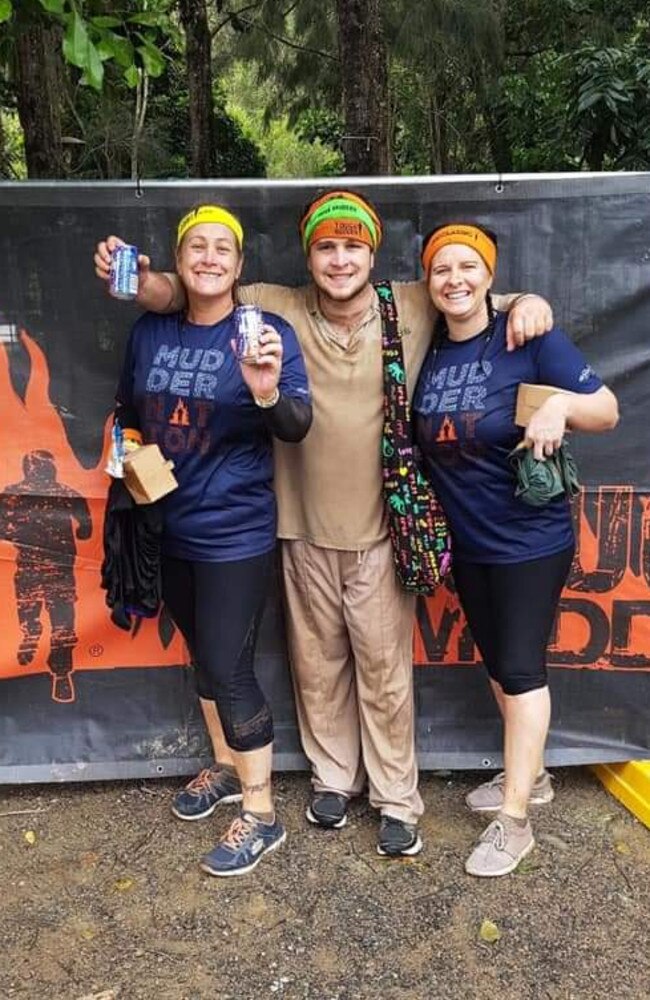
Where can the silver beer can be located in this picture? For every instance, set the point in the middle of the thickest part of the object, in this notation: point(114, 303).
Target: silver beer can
point(124, 272)
point(248, 325)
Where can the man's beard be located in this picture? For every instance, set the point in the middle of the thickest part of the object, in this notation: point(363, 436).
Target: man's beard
point(348, 296)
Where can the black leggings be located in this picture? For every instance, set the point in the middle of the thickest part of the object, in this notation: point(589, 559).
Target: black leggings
point(510, 610)
point(218, 608)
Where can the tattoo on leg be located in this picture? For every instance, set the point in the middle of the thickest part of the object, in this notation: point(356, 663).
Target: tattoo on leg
point(256, 788)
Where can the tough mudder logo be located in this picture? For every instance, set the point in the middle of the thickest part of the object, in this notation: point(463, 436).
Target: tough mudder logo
point(351, 230)
point(191, 375)
point(55, 620)
point(185, 371)
point(603, 620)
point(459, 392)
point(454, 389)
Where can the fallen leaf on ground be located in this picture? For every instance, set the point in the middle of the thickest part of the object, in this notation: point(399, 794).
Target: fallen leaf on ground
point(622, 847)
point(123, 884)
point(30, 837)
point(553, 841)
point(105, 995)
point(489, 932)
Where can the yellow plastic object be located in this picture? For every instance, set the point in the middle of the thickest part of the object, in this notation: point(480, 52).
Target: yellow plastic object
point(630, 784)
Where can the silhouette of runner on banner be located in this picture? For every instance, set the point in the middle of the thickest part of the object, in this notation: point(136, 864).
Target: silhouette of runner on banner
point(37, 516)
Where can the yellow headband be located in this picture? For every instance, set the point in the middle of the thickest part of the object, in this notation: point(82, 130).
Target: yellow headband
point(469, 236)
point(210, 213)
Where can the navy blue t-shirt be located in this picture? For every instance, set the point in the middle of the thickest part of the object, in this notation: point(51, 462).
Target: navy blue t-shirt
point(185, 385)
point(464, 418)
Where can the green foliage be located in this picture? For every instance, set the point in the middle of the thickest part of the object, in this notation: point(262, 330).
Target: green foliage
point(609, 104)
point(91, 38)
point(524, 85)
point(287, 152)
point(576, 86)
point(108, 126)
point(12, 155)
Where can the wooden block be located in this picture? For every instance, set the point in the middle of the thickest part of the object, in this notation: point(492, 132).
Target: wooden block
point(147, 476)
point(530, 397)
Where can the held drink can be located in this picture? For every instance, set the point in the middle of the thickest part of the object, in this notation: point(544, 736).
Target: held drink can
point(124, 272)
point(248, 322)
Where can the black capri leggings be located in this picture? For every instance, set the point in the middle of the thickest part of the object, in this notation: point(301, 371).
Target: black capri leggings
point(510, 610)
point(218, 608)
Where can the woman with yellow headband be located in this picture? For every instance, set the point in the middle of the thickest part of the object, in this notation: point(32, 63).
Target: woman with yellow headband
point(215, 417)
point(510, 559)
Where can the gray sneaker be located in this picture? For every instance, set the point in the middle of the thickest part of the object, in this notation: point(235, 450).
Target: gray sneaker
point(488, 797)
point(500, 848)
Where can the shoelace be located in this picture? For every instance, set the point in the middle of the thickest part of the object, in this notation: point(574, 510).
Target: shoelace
point(495, 834)
point(202, 783)
point(239, 830)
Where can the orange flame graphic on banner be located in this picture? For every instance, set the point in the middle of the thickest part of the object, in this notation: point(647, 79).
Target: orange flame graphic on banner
point(603, 620)
point(51, 521)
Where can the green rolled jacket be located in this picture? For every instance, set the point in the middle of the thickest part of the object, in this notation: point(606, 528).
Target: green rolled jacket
point(538, 481)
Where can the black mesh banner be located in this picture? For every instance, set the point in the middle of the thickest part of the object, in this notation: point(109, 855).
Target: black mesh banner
point(81, 699)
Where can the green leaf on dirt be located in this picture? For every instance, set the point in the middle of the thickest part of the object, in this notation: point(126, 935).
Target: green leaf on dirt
point(124, 884)
point(527, 866)
point(489, 932)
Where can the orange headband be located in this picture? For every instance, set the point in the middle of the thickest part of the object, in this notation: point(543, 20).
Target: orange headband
point(342, 226)
point(469, 236)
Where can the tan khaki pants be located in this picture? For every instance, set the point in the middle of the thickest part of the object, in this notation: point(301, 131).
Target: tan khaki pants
point(350, 629)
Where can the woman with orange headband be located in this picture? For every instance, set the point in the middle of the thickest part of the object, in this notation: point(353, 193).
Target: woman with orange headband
point(510, 559)
point(183, 388)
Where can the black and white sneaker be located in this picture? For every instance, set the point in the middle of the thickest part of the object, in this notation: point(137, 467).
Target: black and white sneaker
point(398, 839)
point(329, 810)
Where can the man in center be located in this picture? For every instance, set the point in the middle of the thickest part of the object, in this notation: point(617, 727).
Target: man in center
point(349, 623)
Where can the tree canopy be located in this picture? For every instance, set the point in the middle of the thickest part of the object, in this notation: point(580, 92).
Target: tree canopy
point(174, 88)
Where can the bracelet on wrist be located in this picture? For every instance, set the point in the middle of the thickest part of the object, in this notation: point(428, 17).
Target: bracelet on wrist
point(266, 402)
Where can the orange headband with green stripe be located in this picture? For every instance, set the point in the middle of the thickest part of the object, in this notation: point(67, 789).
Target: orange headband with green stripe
point(341, 215)
point(470, 236)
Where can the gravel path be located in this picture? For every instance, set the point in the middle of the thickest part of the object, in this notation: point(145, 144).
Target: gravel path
point(108, 903)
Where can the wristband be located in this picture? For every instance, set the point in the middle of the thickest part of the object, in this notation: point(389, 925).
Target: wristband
point(265, 403)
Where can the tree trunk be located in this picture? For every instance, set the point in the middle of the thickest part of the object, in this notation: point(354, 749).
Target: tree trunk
point(366, 101)
point(496, 119)
point(198, 59)
point(39, 83)
point(4, 156)
point(141, 101)
point(596, 146)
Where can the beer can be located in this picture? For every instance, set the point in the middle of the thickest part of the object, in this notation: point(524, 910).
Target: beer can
point(124, 272)
point(248, 325)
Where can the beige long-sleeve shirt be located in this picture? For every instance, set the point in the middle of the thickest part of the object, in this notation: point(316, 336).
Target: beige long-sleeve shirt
point(329, 487)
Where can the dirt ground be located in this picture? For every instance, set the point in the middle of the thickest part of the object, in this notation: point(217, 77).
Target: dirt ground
point(102, 899)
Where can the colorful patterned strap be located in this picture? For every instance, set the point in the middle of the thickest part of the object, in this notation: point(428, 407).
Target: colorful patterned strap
point(417, 525)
